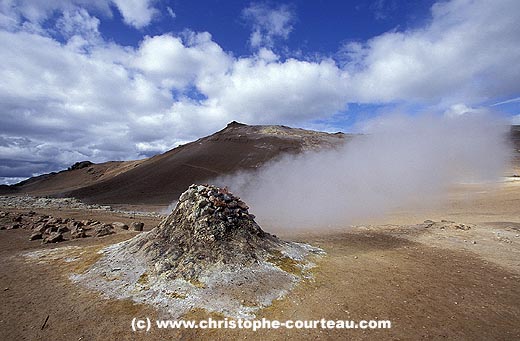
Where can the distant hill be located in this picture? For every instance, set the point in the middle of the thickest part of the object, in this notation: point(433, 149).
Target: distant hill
point(160, 179)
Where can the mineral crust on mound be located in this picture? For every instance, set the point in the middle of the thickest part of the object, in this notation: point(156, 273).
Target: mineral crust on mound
point(208, 253)
point(208, 227)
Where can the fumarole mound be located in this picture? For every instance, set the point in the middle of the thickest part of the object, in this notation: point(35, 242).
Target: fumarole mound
point(208, 227)
point(208, 253)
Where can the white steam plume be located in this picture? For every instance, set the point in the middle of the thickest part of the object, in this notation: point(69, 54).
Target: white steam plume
point(399, 160)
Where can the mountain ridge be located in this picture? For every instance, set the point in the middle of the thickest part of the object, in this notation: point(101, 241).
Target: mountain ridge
point(158, 180)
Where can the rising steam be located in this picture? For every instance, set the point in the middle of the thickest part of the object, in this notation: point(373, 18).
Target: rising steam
point(398, 160)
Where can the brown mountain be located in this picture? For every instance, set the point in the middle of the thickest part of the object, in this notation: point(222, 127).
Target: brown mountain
point(160, 179)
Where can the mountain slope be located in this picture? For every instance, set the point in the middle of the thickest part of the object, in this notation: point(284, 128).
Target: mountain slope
point(160, 179)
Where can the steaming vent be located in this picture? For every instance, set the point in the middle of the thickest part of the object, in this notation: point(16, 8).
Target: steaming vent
point(208, 253)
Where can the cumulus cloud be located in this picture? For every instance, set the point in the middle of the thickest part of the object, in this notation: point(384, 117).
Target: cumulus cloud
point(268, 23)
point(79, 26)
point(87, 98)
point(467, 52)
point(31, 14)
point(176, 63)
point(36, 12)
point(137, 13)
point(297, 90)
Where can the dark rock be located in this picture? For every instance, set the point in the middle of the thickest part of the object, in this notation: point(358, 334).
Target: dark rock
point(62, 229)
point(80, 165)
point(242, 205)
point(89, 222)
point(74, 224)
point(103, 230)
point(137, 226)
point(54, 237)
point(78, 232)
point(120, 225)
point(36, 235)
point(14, 226)
point(463, 227)
point(54, 221)
point(51, 227)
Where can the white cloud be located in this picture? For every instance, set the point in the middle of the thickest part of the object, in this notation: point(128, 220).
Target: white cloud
point(460, 109)
point(91, 99)
point(468, 53)
point(175, 63)
point(80, 25)
point(35, 12)
point(270, 91)
point(137, 13)
point(268, 23)
point(79, 105)
point(171, 13)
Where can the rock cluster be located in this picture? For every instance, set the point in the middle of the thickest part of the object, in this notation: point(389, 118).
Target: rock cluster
point(80, 165)
point(32, 203)
point(51, 229)
point(208, 226)
point(446, 224)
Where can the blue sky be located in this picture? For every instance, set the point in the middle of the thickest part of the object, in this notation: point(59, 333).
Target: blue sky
point(116, 80)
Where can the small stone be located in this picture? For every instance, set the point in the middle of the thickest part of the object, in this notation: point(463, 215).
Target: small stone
point(78, 233)
point(219, 203)
point(54, 237)
point(243, 205)
point(63, 229)
point(137, 226)
point(103, 230)
point(41, 228)
point(120, 225)
point(36, 235)
point(474, 242)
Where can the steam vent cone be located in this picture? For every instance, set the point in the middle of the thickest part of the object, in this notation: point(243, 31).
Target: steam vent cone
point(209, 253)
point(209, 226)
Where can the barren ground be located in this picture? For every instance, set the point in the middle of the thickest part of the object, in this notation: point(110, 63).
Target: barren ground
point(431, 283)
